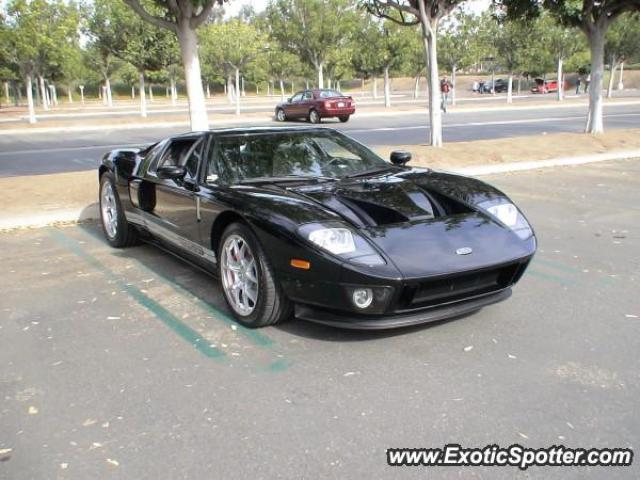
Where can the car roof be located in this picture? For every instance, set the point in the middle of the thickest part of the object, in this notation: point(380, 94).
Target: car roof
point(249, 130)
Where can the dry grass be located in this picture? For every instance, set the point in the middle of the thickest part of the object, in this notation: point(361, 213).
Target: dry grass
point(518, 149)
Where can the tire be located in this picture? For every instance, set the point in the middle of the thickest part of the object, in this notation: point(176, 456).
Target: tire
point(280, 115)
point(314, 116)
point(119, 233)
point(270, 305)
point(344, 118)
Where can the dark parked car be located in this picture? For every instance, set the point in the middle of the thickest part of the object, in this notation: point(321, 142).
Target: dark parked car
point(307, 221)
point(314, 105)
point(499, 85)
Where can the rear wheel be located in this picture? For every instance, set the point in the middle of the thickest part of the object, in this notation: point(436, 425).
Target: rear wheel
point(118, 232)
point(314, 116)
point(280, 115)
point(344, 118)
point(248, 281)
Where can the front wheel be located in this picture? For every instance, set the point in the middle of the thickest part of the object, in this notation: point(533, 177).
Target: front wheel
point(248, 280)
point(344, 118)
point(117, 230)
point(314, 116)
point(280, 115)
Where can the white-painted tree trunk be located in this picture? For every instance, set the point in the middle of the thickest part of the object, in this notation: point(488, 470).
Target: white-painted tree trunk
point(70, 94)
point(595, 123)
point(454, 71)
point(133, 92)
point(107, 84)
point(81, 87)
point(620, 84)
point(282, 90)
point(43, 92)
point(54, 94)
point(143, 97)
point(293, 88)
point(510, 88)
point(519, 83)
point(208, 91)
point(375, 87)
point(150, 92)
point(560, 82)
point(307, 83)
point(5, 84)
point(244, 93)
point(191, 63)
point(32, 111)
point(387, 88)
point(416, 86)
point(237, 91)
point(320, 75)
point(338, 86)
point(612, 74)
point(435, 113)
point(230, 89)
point(174, 96)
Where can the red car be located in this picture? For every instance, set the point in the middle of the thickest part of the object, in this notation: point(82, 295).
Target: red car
point(546, 86)
point(314, 105)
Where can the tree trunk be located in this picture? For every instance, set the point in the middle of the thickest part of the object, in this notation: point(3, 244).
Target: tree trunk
point(173, 92)
point(612, 73)
point(431, 56)
point(82, 94)
point(293, 86)
point(237, 91)
point(107, 84)
point(375, 87)
point(387, 88)
point(338, 86)
point(620, 84)
point(5, 84)
point(43, 93)
point(133, 92)
point(54, 94)
point(596, 44)
point(320, 75)
point(208, 91)
point(244, 94)
point(191, 63)
point(143, 97)
point(282, 90)
point(416, 87)
point(454, 71)
point(510, 88)
point(32, 112)
point(230, 89)
point(70, 94)
point(560, 82)
point(519, 83)
point(150, 92)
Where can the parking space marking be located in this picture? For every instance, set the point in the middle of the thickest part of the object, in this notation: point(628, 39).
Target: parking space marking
point(256, 337)
point(183, 331)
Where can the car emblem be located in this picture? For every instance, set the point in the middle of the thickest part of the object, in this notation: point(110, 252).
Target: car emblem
point(464, 250)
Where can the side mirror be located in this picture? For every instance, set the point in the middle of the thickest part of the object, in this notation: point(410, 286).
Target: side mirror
point(171, 172)
point(400, 157)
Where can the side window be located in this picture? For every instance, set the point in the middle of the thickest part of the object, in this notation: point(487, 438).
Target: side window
point(297, 97)
point(308, 95)
point(193, 160)
point(211, 172)
point(176, 152)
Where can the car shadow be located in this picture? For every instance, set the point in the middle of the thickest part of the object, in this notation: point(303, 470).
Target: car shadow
point(206, 288)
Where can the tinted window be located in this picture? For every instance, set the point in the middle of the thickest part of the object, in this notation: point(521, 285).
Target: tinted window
point(308, 95)
point(176, 152)
point(330, 93)
point(307, 153)
point(297, 97)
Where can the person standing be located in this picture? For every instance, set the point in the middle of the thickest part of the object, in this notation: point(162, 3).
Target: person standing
point(445, 88)
point(578, 81)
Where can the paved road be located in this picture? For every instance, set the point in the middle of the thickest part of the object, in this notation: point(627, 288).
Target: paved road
point(124, 363)
point(60, 152)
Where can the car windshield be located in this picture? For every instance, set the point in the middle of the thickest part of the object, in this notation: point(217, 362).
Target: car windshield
point(330, 93)
point(312, 154)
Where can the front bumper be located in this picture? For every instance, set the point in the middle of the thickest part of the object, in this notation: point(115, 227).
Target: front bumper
point(381, 322)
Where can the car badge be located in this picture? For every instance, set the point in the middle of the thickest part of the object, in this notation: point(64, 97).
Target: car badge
point(464, 250)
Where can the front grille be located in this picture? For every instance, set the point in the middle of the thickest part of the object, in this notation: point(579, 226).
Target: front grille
point(460, 286)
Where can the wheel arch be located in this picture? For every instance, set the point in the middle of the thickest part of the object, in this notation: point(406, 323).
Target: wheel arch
point(222, 221)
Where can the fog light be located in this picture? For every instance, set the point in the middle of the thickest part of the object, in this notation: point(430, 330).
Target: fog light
point(362, 297)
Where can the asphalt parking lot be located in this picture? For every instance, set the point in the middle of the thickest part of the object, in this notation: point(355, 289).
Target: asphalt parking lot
point(126, 364)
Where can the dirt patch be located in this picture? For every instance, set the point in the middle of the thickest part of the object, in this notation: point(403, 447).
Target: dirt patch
point(517, 149)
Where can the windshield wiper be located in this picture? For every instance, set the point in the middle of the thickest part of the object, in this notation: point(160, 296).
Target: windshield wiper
point(286, 178)
point(370, 172)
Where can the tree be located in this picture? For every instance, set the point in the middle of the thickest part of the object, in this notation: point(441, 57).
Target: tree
point(233, 44)
point(366, 60)
point(427, 14)
point(622, 43)
point(593, 17)
point(311, 29)
point(183, 17)
point(459, 45)
point(392, 48)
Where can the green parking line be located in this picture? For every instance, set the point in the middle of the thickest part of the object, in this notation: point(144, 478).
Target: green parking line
point(556, 265)
point(186, 333)
point(255, 336)
point(549, 276)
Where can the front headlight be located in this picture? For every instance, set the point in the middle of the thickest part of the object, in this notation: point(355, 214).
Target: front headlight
point(507, 213)
point(341, 241)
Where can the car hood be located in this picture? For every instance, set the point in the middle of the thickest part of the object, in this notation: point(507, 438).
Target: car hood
point(400, 213)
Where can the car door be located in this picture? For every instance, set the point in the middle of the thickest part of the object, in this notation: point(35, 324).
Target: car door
point(295, 107)
point(174, 214)
point(307, 103)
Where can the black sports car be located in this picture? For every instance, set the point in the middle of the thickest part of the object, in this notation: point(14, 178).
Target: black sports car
point(307, 221)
